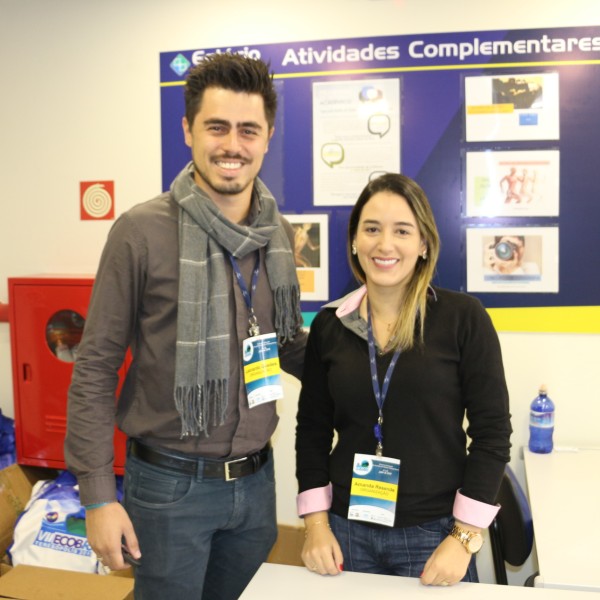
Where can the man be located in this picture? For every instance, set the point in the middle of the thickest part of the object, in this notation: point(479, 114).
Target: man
point(185, 280)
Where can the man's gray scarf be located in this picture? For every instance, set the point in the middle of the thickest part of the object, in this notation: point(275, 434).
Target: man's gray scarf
point(202, 352)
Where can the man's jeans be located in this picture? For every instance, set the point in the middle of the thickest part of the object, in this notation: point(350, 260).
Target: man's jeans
point(391, 551)
point(200, 538)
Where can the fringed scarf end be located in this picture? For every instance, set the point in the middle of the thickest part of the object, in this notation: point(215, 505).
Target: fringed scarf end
point(288, 315)
point(201, 407)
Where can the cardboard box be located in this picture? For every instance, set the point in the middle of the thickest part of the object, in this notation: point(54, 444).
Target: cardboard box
point(25, 582)
point(288, 547)
point(38, 583)
point(16, 483)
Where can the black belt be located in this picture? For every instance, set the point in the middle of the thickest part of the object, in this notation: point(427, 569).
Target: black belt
point(216, 469)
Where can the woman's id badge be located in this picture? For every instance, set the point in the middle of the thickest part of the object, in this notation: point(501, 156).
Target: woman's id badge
point(262, 372)
point(374, 489)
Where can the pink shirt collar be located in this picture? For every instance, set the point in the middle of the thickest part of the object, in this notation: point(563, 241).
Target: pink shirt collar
point(352, 302)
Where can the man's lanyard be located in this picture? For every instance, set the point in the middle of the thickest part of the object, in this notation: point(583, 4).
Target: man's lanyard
point(380, 393)
point(253, 328)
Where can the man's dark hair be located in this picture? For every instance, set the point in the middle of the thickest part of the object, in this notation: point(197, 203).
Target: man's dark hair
point(230, 72)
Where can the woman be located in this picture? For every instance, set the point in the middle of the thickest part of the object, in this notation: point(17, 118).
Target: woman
point(393, 368)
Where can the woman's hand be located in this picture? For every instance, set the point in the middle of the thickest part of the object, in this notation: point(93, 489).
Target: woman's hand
point(447, 565)
point(321, 552)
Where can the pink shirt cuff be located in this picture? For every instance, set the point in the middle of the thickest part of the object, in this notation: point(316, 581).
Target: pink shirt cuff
point(314, 500)
point(474, 512)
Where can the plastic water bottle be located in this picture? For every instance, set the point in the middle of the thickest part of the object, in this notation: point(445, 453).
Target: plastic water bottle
point(541, 423)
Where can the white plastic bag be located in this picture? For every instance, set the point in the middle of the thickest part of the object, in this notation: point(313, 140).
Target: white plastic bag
point(50, 532)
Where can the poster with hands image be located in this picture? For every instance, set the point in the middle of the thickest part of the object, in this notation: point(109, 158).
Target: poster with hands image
point(512, 107)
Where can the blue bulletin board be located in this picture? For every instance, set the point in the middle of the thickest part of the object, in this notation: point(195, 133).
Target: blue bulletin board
point(443, 123)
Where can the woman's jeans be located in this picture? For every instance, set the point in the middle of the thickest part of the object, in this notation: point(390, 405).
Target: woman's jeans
point(200, 538)
point(392, 550)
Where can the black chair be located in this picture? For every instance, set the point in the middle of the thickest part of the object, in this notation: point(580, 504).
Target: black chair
point(511, 532)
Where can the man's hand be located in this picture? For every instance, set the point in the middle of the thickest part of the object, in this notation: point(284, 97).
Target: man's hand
point(106, 527)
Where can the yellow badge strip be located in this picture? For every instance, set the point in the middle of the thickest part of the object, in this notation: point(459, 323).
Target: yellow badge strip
point(374, 489)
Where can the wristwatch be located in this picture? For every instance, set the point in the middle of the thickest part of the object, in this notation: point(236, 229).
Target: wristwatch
point(469, 539)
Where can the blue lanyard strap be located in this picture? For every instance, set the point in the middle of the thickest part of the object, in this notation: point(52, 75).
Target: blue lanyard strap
point(380, 393)
point(253, 328)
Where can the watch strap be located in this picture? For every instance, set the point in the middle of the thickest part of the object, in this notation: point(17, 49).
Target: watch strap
point(465, 537)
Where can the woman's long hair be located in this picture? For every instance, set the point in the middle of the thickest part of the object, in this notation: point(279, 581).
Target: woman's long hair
point(414, 305)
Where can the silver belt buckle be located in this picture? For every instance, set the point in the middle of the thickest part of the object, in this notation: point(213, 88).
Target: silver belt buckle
point(228, 476)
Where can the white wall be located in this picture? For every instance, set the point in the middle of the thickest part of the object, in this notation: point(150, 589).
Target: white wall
point(80, 101)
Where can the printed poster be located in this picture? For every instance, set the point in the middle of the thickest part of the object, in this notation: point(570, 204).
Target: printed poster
point(356, 136)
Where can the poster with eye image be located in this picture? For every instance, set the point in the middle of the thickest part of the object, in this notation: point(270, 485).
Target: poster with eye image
point(522, 183)
point(512, 107)
point(512, 259)
point(311, 254)
point(356, 136)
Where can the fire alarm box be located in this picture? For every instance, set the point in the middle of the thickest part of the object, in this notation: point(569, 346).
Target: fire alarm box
point(46, 315)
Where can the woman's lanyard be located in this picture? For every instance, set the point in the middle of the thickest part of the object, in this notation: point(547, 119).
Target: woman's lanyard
point(380, 393)
point(253, 328)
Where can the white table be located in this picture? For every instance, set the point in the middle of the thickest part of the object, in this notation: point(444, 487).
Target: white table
point(297, 583)
point(564, 493)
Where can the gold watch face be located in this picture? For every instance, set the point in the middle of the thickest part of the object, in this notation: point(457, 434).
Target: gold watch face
point(469, 539)
point(475, 543)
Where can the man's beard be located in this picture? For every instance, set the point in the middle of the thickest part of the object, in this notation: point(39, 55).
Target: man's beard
point(226, 189)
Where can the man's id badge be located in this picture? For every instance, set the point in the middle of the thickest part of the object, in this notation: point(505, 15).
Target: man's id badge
point(262, 373)
point(374, 489)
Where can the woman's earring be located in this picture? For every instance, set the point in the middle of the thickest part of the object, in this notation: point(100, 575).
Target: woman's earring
point(424, 255)
point(354, 249)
